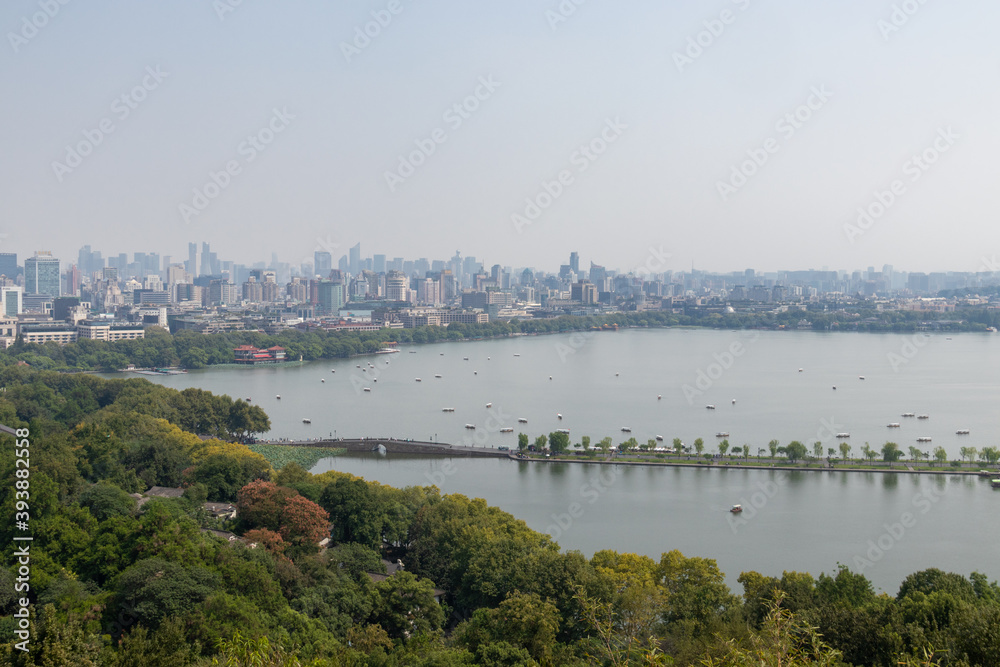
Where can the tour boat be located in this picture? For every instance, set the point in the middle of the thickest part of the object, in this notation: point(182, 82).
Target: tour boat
point(962, 431)
point(278, 397)
point(489, 405)
point(562, 430)
point(907, 414)
point(835, 387)
point(923, 439)
point(465, 358)
point(418, 380)
point(470, 426)
point(447, 409)
point(522, 420)
point(892, 425)
point(861, 377)
point(722, 434)
point(923, 416)
point(516, 355)
point(333, 370)
point(550, 377)
point(709, 407)
point(995, 483)
point(507, 430)
point(843, 435)
point(559, 415)
point(800, 370)
point(626, 429)
point(368, 388)
point(736, 509)
point(248, 399)
point(659, 397)
point(307, 421)
point(660, 438)
point(734, 401)
point(437, 376)
point(322, 380)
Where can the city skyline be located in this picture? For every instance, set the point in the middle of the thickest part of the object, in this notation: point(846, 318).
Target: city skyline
point(742, 134)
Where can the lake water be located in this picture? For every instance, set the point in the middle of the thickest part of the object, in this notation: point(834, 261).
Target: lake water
point(605, 381)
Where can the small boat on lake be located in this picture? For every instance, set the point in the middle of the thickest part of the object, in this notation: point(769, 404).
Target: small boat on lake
point(722, 434)
point(962, 431)
point(892, 425)
point(709, 407)
point(471, 427)
point(843, 435)
point(908, 414)
point(368, 388)
point(626, 429)
point(489, 405)
point(923, 416)
point(447, 409)
point(307, 421)
point(995, 483)
point(923, 439)
point(660, 438)
point(507, 429)
point(736, 509)
point(522, 420)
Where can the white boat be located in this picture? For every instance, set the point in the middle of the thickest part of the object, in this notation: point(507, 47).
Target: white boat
point(418, 380)
point(307, 421)
point(489, 405)
point(562, 430)
point(843, 435)
point(907, 414)
point(437, 376)
point(470, 426)
point(507, 429)
point(923, 416)
point(660, 438)
point(322, 380)
point(558, 415)
point(709, 407)
point(447, 409)
point(626, 429)
point(892, 425)
point(550, 377)
point(734, 401)
point(278, 397)
point(962, 431)
point(522, 420)
point(368, 388)
point(333, 370)
point(861, 377)
point(800, 370)
point(358, 366)
point(736, 509)
point(722, 434)
point(923, 439)
point(659, 397)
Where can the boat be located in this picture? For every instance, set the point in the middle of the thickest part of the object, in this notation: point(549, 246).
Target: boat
point(437, 376)
point(660, 438)
point(861, 377)
point(734, 401)
point(550, 377)
point(368, 388)
point(307, 421)
point(470, 426)
point(986, 473)
point(388, 350)
point(562, 430)
point(465, 358)
point(659, 397)
point(722, 434)
point(995, 483)
point(709, 407)
point(736, 509)
point(507, 429)
point(374, 379)
point(413, 351)
point(892, 425)
point(278, 397)
point(626, 429)
point(843, 435)
point(558, 415)
point(489, 405)
point(616, 374)
point(923, 439)
point(835, 387)
point(418, 380)
point(358, 366)
point(379, 449)
point(516, 355)
point(522, 420)
point(447, 409)
point(923, 416)
point(248, 399)
point(908, 414)
point(333, 370)
point(322, 380)
point(962, 431)
point(800, 370)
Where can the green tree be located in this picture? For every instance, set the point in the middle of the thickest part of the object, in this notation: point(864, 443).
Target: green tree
point(405, 606)
point(990, 454)
point(155, 589)
point(699, 446)
point(845, 450)
point(795, 450)
point(746, 452)
point(522, 442)
point(540, 442)
point(940, 455)
point(723, 447)
point(891, 453)
point(105, 501)
point(585, 443)
point(773, 446)
point(558, 442)
point(818, 449)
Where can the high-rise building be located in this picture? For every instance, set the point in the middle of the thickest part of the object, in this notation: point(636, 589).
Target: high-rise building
point(41, 274)
point(191, 265)
point(396, 286)
point(322, 263)
point(354, 265)
point(72, 281)
point(11, 300)
point(8, 264)
point(574, 262)
point(330, 297)
point(378, 264)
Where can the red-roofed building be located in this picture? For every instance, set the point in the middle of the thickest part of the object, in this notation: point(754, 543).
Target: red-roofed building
point(248, 354)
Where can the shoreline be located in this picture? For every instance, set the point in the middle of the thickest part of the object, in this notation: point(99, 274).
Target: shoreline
point(713, 466)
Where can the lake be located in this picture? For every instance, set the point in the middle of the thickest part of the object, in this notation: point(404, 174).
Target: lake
point(659, 382)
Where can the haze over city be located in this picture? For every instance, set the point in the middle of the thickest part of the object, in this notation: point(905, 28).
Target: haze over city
point(731, 134)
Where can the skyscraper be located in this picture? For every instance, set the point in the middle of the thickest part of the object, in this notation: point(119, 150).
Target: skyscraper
point(41, 274)
point(355, 262)
point(8, 264)
point(191, 265)
point(322, 263)
point(574, 262)
point(378, 265)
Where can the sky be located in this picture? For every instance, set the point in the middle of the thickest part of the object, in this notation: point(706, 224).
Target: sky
point(721, 134)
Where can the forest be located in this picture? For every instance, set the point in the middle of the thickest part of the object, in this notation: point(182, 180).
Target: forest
point(299, 576)
point(192, 350)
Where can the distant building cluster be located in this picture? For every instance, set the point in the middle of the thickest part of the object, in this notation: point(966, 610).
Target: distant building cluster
point(112, 298)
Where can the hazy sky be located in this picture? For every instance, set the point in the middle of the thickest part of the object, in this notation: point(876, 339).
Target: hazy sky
point(668, 98)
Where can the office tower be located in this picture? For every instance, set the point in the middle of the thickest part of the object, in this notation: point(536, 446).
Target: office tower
point(11, 300)
point(209, 261)
point(8, 264)
point(72, 280)
point(191, 265)
point(322, 263)
point(421, 267)
point(41, 274)
point(574, 262)
point(355, 261)
point(378, 264)
point(330, 297)
point(395, 265)
point(396, 286)
point(343, 265)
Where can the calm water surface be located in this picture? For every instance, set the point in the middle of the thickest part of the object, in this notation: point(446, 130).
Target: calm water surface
point(605, 381)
